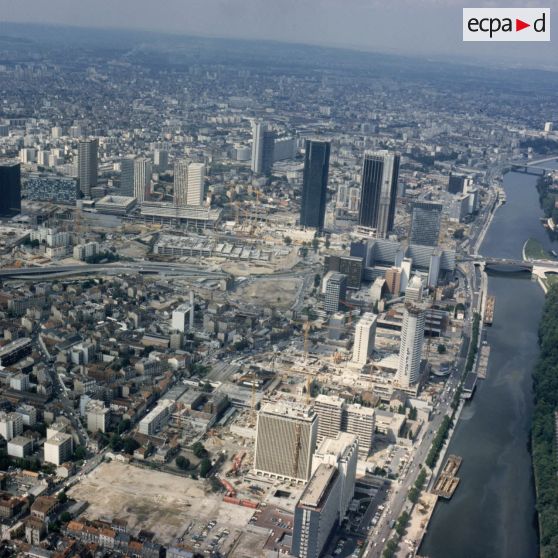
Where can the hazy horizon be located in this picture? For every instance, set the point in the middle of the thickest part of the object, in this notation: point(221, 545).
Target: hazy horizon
point(429, 29)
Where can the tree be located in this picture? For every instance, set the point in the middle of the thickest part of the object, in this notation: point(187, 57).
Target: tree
point(205, 467)
point(317, 280)
point(182, 462)
point(327, 243)
point(199, 450)
point(65, 517)
point(442, 349)
point(413, 413)
point(315, 244)
point(80, 453)
point(62, 498)
point(115, 442)
point(288, 240)
point(130, 445)
point(304, 252)
point(459, 234)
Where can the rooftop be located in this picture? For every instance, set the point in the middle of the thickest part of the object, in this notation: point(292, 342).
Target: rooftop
point(318, 486)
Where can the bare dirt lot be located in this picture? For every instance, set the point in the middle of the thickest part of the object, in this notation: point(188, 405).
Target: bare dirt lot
point(159, 502)
point(277, 292)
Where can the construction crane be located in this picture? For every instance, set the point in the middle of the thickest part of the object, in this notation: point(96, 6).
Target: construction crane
point(429, 341)
point(253, 397)
point(298, 437)
point(352, 307)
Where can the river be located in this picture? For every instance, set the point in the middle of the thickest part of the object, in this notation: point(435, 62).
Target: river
point(492, 513)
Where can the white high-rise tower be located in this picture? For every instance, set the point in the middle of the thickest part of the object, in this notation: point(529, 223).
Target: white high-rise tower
point(412, 339)
point(196, 178)
point(142, 177)
point(365, 333)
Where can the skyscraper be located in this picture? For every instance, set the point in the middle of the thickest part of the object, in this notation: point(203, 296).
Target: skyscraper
point(196, 180)
point(181, 183)
point(263, 145)
point(88, 166)
point(285, 441)
point(161, 160)
point(127, 176)
point(335, 415)
point(426, 218)
point(10, 188)
point(142, 177)
point(457, 183)
point(413, 293)
point(380, 172)
point(412, 339)
point(317, 512)
point(335, 291)
point(365, 332)
point(342, 452)
point(314, 184)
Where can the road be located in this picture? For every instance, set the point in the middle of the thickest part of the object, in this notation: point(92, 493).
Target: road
point(52, 271)
point(475, 286)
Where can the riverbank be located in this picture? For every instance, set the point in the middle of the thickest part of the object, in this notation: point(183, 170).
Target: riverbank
point(492, 513)
point(544, 425)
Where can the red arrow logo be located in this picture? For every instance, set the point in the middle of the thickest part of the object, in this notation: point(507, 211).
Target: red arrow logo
point(519, 25)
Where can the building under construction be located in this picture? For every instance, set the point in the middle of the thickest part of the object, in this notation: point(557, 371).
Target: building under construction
point(285, 439)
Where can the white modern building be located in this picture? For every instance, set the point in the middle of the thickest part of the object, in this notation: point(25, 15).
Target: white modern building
point(142, 178)
point(412, 339)
point(365, 333)
point(341, 452)
point(196, 184)
point(59, 448)
point(285, 441)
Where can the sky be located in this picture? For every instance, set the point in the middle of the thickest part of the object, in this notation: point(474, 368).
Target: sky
point(431, 28)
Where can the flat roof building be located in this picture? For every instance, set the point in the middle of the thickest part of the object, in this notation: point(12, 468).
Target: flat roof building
point(285, 441)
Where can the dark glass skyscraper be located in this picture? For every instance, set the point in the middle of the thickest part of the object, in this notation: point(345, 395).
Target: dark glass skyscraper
point(263, 146)
point(314, 184)
point(10, 189)
point(378, 196)
point(425, 223)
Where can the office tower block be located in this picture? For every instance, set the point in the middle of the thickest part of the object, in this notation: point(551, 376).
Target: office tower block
point(412, 339)
point(142, 178)
point(414, 290)
point(183, 316)
point(316, 513)
point(263, 144)
point(393, 280)
point(10, 188)
point(285, 441)
point(314, 184)
point(88, 165)
point(196, 184)
point(426, 218)
point(181, 183)
point(378, 196)
point(457, 183)
point(329, 409)
point(434, 267)
point(98, 416)
point(365, 333)
point(351, 266)
point(161, 160)
point(335, 415)
point(361, 422)
point(405, 266)
point(341, 452)
point(335, 291)
point(127, 176)
point(58, 449)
